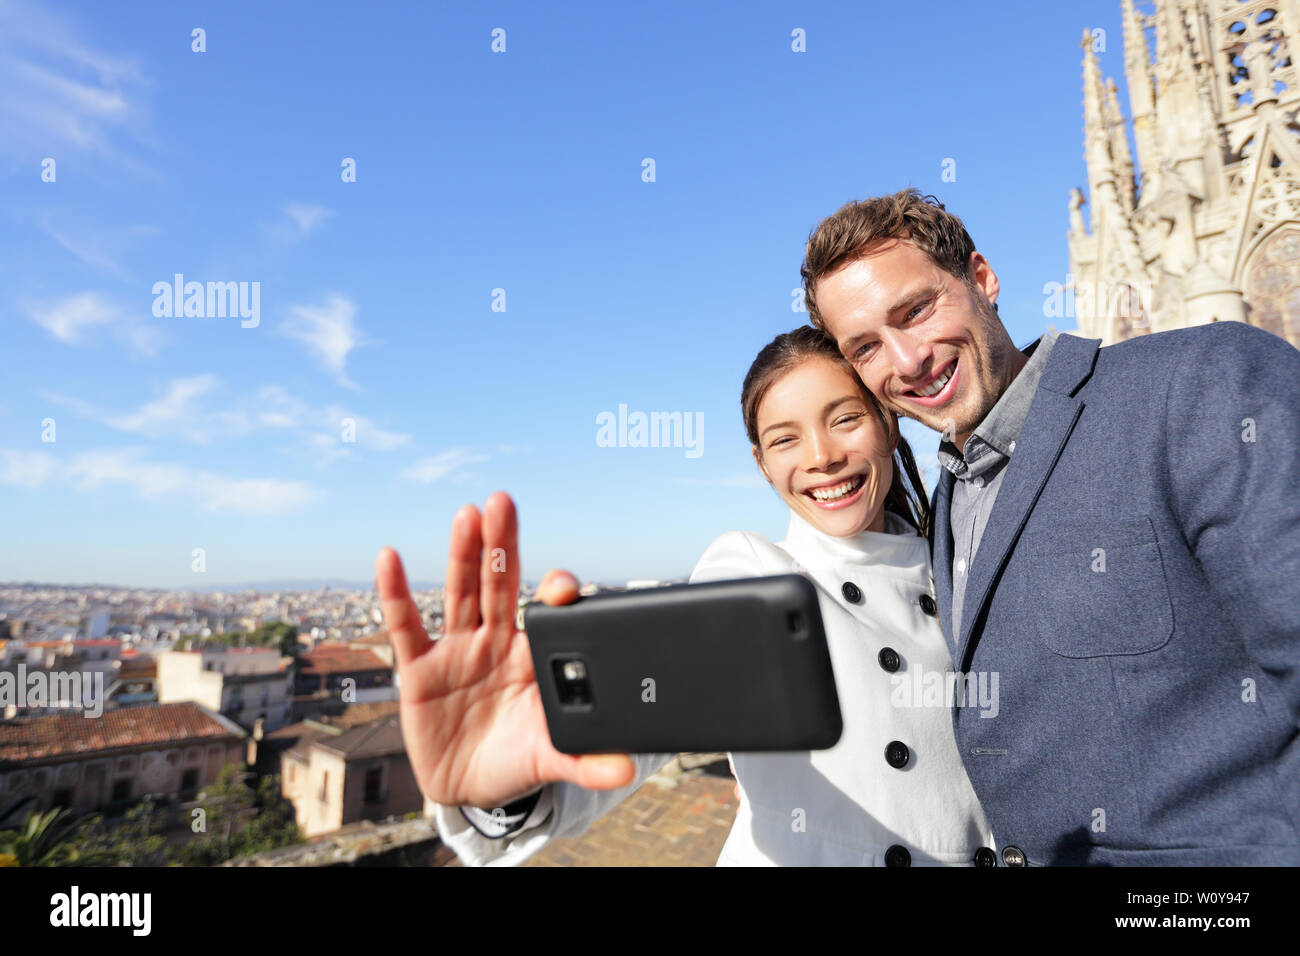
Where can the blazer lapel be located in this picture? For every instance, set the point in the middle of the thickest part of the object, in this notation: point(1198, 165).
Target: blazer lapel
point(941, 554)
point(1047, 428)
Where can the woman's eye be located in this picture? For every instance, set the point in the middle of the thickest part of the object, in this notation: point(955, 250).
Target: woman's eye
point(850, 418)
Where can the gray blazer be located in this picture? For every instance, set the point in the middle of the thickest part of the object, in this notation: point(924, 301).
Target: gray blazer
point(1137, 590)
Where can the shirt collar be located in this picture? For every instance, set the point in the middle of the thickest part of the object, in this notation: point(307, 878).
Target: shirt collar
point(994, 439)
point(897, 546)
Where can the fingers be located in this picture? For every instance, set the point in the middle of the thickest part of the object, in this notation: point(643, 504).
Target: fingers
point(557, 587)
point(460, 597)
point(499, 567)
point(402, 618)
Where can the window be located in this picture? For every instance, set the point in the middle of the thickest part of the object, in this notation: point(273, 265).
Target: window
point(121, 791)
point(62, 798)
point(1273, 286)
point(324, 786)
point(190, 781)
point(374, 778)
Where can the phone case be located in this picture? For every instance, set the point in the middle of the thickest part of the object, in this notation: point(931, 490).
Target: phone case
point(720, 666)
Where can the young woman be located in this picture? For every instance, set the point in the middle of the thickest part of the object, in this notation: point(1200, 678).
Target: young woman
point(892, 791)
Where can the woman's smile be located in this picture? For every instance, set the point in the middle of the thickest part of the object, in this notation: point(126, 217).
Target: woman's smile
point(838, 494)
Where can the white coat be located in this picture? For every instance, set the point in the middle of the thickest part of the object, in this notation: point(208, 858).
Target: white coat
point(845, 806)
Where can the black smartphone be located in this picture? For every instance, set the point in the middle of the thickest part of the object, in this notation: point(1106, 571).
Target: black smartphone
point(718, 666)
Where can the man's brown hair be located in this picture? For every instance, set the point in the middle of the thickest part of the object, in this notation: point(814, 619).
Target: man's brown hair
point(846, 234)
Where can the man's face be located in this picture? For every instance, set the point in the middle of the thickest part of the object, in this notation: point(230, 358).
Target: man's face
point(929, 347)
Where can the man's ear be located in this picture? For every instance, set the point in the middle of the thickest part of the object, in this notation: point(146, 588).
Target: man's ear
point(982, 274)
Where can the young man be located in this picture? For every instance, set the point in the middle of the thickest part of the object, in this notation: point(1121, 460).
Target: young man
point(1117, 537)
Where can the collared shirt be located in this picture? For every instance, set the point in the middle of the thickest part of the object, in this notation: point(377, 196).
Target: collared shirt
point(981, 465)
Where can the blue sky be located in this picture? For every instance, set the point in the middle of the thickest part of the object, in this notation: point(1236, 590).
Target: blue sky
point(476, 171)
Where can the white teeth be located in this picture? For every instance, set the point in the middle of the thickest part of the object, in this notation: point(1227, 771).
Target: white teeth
point(843, 489)
point(936, 387)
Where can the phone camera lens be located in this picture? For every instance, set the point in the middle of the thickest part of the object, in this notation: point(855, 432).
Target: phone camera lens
point(571, 682)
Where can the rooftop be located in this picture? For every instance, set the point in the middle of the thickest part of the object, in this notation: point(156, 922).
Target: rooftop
point(28, 739)
point(339, 659)
point(379, 738)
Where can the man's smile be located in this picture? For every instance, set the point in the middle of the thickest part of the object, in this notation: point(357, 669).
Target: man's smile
point(938, 389)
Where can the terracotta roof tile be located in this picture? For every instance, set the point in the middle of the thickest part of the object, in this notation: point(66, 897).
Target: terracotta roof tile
point(338, 659)
point(40, 738)
point(379, 637)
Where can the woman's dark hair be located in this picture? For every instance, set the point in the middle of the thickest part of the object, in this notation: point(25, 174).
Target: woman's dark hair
point(790, 349)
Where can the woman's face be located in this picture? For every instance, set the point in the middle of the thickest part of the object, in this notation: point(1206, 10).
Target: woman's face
point(824, 449)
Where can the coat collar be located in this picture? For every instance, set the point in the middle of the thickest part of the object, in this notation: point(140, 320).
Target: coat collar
point(898, 546)
point(1047, 428)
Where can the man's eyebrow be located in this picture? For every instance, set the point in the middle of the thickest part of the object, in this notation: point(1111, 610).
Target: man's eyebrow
point(906, 299)
point(825, 411)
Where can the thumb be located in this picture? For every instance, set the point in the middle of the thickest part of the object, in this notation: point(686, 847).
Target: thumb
point(603, 771)
point(557, 587)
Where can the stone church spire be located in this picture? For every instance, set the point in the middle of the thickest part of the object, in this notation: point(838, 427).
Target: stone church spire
point(1201, 221)
point(1141, 87)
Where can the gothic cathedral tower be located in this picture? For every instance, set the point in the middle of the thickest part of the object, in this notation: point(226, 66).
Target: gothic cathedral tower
point(1203, 223)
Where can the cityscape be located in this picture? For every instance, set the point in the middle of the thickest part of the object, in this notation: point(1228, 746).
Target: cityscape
point(114, 699)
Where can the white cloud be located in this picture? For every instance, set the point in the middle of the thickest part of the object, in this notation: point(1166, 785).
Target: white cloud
point(306, 216)
point(431, 469)
point(88, 251)
point(71, 320)
point(68, 319)
point(27, 469)
point(58, 94)
point(184, 410)
point(93, 470)
point(328, 331)
point(210, 491)
point(174, 410)
point(367, 435)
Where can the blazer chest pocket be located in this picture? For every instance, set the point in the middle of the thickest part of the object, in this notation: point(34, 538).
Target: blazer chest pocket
point(1097, 589)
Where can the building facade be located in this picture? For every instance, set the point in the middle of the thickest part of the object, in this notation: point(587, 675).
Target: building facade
point(1198, 220)
point(65, 760)
point(335, 776)
point(246, 684)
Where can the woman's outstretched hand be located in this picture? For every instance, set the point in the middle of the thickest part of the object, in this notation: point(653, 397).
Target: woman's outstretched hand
point(471, 712)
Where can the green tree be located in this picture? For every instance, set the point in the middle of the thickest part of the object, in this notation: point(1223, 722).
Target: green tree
point(52, 838)
point(132, 841)
point(239, 820)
